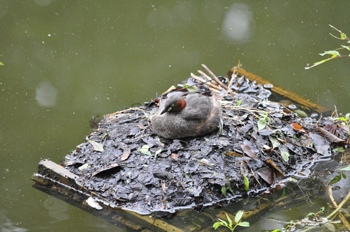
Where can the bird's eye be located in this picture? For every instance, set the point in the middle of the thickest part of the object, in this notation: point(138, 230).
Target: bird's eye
point(171, 107)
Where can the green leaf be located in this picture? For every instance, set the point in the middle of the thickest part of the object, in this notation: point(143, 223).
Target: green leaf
point(238, 216)
point(145, 150)
point(333, 53)
point(223, 222)
point(229, 220)
point(274, 141)
point(343, 36)
point(331, 227)
point(309, 214)
point(190, 87)
point(261, 123)
point(300, 113)
point(229, 187)
point(157, 152)
point(246, 182)
point(239, 102)
point(285, 154)
point(216, 225)
point(283, 193)
point(1, 64)
point(335, 180)
point(346, 47)
point(345, 169)
point(340, 149)
point(223, 190)
point(318, 63)
point(84, 166)
point(244, 224)
point(268, 119)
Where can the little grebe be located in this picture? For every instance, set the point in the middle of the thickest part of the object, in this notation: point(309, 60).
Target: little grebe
point(187, 114)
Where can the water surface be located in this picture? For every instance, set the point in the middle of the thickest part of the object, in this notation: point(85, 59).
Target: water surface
point(66, 61)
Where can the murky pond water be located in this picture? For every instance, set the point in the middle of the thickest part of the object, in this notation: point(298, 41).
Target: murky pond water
point(66, 61)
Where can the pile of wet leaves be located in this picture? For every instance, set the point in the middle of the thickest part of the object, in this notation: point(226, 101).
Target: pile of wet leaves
point(261, 145)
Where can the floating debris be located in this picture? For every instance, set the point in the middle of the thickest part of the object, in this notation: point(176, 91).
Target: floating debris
point(262, 144)
point(92, 203)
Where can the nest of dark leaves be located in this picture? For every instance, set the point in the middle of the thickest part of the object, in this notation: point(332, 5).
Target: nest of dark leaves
point(263, 143)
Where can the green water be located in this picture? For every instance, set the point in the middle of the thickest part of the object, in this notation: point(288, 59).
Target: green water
point(66, 61)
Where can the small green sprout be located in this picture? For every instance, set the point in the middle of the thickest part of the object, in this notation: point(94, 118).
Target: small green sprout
point(262, 120)
point(229, 225)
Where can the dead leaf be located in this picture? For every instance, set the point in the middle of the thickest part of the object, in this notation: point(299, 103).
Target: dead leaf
point(297, 127)
point(267, 174)
point(141, 127)
point(332, 128)
point(331, 137)
point(233, 153)
point(163, 186)
point(247, 150)
point(174, 156)
point(106, 170)
point(270, 161)
point(125, 154)
point(97, 146)
point(244, 168)
point(344, 127)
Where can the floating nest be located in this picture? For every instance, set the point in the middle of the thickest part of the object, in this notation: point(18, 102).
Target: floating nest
point(262, 144)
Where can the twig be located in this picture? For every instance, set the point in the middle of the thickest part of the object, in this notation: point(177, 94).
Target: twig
point(217, 90)
point(334, 212)
point(208, 78)
point(233, 73)
point(216, 79)
point(341, 216)
point(340, 32)
point(339, 206)
point(335, 111)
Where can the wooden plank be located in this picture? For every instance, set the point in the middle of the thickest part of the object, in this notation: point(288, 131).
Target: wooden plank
point(279, 90)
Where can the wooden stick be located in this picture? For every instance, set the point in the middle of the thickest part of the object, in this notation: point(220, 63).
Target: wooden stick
point(214, 90)
point(201, 80)
point(216, 79)
point(341, 216)
point(208, 78)
point(234, 72)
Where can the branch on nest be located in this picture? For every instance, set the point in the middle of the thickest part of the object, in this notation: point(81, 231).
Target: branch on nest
point(213, 83)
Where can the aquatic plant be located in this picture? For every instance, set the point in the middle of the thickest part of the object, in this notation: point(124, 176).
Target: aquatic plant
point(229, 225)
point(334, 53)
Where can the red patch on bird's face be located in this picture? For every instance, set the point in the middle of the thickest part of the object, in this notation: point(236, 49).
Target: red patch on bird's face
point(180, 104)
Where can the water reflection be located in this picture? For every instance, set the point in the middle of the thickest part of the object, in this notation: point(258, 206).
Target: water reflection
point(174, 16)
point(46, 94)
point(43, 2)
point(238, 24)
point(56, 209)
point(6, 225)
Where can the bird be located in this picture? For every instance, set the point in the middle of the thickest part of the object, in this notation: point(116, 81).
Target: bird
point(187, 114)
